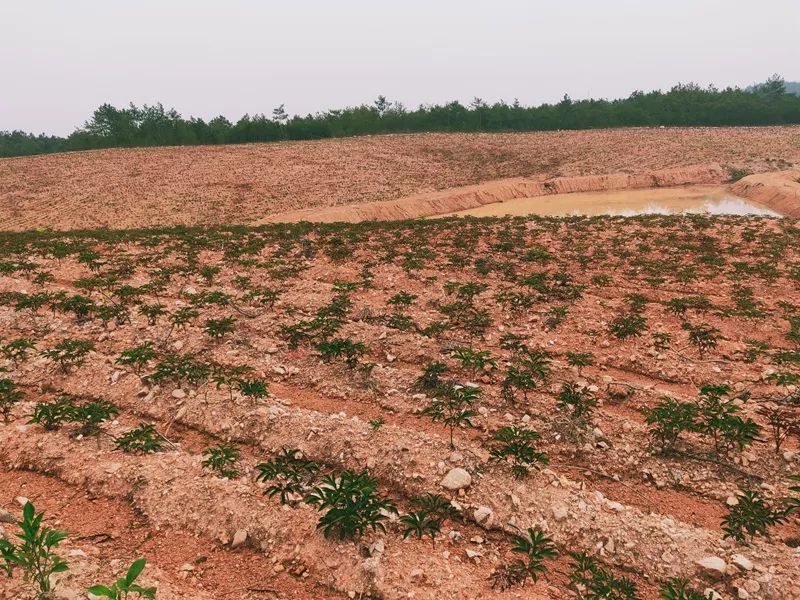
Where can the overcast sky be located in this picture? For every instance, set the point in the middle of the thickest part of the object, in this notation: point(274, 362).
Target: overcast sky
point(60, 59)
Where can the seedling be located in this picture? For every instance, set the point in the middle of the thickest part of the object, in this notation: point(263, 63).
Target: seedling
point(627, 326)
point(431, 378)
point(669, 419)
point(580, 360)
point(579, 401)
point(537, 547)
point(52, 415)
point(474, 360)
point(376, 423)
point(18, 350)
point(680, 589)
point(751, 516)
point(453, 407)
point(598, 583)
point(420, 523)
point(33, 554)
point(352, 504)
point(69, 353)
point(516, 444)
point(91, 414)
point(290, 472)
point(218, 328)
point(138, 357)
point(703, 337)
point(9, 396)
point(144, 439)
point(222, 459)
point(124, 586)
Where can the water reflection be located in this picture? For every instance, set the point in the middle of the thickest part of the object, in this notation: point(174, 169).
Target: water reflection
point(725, 206)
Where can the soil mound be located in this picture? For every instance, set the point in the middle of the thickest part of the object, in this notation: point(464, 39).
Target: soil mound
point(780, 191)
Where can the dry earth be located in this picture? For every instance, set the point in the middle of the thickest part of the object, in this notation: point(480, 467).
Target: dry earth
point(530, 290)
point(250, 183)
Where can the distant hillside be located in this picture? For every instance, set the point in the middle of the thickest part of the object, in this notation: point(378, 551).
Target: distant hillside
point(793, 87)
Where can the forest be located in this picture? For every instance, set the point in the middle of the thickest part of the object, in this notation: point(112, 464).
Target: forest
point(770, 103)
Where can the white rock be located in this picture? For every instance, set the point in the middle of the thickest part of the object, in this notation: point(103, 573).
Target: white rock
point(559, 512)
point(742, 562)
point(22, 501)
point(713, 565)
point(483, 516)
point(178, 393)
point(456, 479)
point(239, 538)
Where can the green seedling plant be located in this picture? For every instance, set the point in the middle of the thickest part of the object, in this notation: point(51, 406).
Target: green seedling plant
point(431, 378)
point(34, 553)
point(123, 587)
point(474, 360)
point(536, 548)
point(718, 419)
point(453, 406)
point(69, 353)
point(222, 459)
point(596, 583)
point(18, 350)
point(342, 348)
point(143, 439)
point(580, 360)
point(91, 414)
point(351, 504)
point(703, 337)
point(290, 472)
point(628, 326)
point(437, 506)
point(515, 445)
point(52, 415)
point(376, 423)
point(668, 420)
point(579, 402)
point(217, 329)
point(10, 395)
point(678, 588)
point(420, 524)
point(751, 516)
point(138, 357)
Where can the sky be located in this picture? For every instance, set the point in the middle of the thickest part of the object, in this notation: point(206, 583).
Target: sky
point(60, 59)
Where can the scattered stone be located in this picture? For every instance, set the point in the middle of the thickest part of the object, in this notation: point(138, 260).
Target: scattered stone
point(7, 517)
point(742, 562)
point(456, 457)
point(178, 394)
point(239, 538)
point(713, 565)
point(456, 479)
point(22, 501)
point(560, 512)
point(483, 516)
point(417, 574)
point(185, 568)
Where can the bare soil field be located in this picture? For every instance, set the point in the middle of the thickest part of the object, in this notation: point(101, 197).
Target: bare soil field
point(246, 184)
point(575, 408)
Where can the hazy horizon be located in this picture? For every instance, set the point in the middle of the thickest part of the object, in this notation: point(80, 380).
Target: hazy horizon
point(237, 58)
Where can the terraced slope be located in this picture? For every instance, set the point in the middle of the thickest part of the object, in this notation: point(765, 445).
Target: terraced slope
point(250, 183)
point(586, 324)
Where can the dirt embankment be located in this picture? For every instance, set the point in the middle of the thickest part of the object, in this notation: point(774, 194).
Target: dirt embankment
point(780, 191)
point(244, 184)
point(464, 198)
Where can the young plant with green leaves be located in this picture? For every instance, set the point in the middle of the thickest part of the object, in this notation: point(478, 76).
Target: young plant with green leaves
point(597, 583)
point(222, 459)
point(290, 472)
point(34, 553)
point(678, 588)
point(69, 353)
point(454, 407)
point(143, 439)
point(420, 524)
point(123, 587)
point(10, 396)
point(668, 420)
point(351, 503)
point(750, 516)
point(516, 445)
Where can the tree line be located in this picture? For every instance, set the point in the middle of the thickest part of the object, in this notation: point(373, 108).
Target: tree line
point(683, 105)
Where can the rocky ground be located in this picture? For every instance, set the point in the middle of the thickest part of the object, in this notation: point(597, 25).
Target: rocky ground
point(152, 187)
point(712, 301)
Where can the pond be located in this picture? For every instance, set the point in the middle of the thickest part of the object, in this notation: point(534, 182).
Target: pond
point(710, 200)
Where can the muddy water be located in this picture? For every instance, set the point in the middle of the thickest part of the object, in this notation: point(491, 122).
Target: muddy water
point(712, 200)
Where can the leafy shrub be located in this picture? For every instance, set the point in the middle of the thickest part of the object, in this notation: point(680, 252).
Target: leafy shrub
point(91, 414)
point(431, 378)
point(580, 360)
point(351, 503)
point(536, 547)
point(750, 516)
point(516, 444)
point(144, 439)
point(124, 586)
point(669, 419)
point(718, 418)
point(597, 583)
point(18, 350)
point(453, 406)
point(9, 396)
point(703, 337)
point(627, 326)
point(218, 328)
point(347, 348)
point(579, 401)
point(52, 415)
point(420, 524)
point(69, 353)
point(474, 360)
point(222, 459)
point(33, 554)
point(679, 589)
point(291, 473)
point(138, 357)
